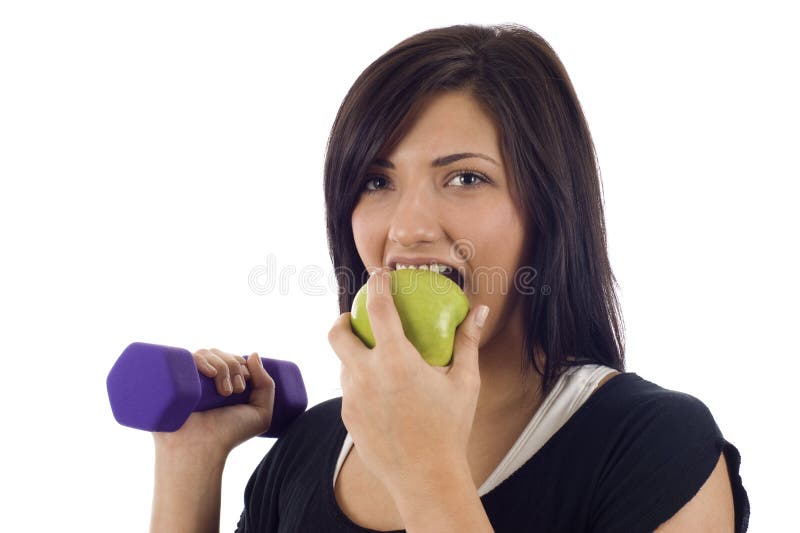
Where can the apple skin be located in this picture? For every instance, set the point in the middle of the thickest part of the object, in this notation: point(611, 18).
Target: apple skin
point(430, 305)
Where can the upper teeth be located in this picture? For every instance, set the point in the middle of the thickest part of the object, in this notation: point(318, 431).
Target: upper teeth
point(441, 269)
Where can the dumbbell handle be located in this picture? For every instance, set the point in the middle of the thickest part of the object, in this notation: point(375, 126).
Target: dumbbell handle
point(210, 398)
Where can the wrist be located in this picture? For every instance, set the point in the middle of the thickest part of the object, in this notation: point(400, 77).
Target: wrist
point(433, 491)
point(190, 464)
point(169, 450)
point(187, 489)
point(444, 503)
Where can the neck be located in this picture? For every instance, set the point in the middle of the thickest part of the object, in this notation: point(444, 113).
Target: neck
point(506, 403)
point(505, 394)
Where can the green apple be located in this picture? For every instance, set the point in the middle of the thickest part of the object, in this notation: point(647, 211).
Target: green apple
point(430, 305)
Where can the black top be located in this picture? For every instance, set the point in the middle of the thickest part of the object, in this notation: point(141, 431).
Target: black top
point(627, 460)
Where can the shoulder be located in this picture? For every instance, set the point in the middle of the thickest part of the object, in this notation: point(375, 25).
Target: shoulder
point(320, 420)
point(654, 429)
point(646, 410)
point(660, 447)
point(324, 412)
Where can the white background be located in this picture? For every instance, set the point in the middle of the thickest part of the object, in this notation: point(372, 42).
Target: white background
point(152, 154)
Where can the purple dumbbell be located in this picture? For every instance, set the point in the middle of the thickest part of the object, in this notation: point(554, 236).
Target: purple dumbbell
point(156, 388)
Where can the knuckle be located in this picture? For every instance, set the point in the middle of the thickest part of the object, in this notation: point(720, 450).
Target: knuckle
point(333, 333)
point(395, 344)
point(472, 382)
point(222, 369)
point(401, 372)
point(233, 367)
point(375, 307)
point(227, 361)
point(471, 337)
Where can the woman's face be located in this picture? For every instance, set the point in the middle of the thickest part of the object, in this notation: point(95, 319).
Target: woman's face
point(426, 201)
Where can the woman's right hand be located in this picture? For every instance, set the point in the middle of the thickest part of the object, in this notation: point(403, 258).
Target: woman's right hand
point(218, 431)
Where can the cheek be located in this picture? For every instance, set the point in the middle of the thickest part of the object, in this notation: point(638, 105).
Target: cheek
point(357, 223)
point(499, 243)
point(366, 236)
point(495, 230)
point(359, 226)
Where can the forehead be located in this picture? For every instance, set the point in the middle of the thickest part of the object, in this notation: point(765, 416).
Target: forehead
point(447, 123)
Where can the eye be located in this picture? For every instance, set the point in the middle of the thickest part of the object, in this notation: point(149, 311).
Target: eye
point(469, 179)
point(476, 179)
point(370, 180)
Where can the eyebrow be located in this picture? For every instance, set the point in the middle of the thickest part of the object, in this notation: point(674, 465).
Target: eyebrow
point(440, 161)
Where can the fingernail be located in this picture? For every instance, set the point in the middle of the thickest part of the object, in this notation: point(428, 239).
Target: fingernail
point(483, 312)
point(239, 382)
point(226, 385)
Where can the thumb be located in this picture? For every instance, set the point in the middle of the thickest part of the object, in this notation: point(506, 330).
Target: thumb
point(262, 394)
point(467, 341)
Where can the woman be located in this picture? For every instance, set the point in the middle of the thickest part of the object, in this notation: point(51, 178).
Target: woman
point(466, 146)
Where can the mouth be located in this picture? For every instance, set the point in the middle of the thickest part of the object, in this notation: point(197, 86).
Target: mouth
point(448, 271)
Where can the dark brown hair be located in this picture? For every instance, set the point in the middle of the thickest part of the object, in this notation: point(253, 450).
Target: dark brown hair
point(548, 154)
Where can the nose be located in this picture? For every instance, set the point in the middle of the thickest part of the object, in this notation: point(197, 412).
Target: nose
point(414, 220)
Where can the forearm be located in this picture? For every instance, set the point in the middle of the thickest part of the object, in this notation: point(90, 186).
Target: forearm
point(448, 505)
point(186, 496)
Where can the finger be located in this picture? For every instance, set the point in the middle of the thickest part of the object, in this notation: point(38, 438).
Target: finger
point(234, 363)
point(201, 361)
point(228, 357)
point(383, 317)
point(223, 378)
point(467, 344)
point(245, 370)
point(344, 342)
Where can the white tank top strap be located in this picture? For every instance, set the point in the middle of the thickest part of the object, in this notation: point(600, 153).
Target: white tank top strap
point(571, 390)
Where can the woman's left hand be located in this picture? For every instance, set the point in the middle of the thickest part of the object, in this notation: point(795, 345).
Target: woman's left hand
point(409, 421)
